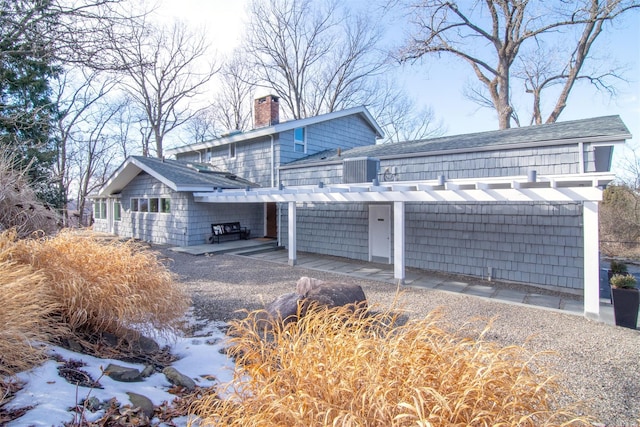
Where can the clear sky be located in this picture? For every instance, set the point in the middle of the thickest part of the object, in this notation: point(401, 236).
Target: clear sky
point(439, 84)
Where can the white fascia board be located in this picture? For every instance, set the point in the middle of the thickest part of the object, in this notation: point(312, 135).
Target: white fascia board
point(279, 128)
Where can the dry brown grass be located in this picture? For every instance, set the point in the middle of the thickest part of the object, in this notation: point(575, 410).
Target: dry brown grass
point(19, 207)
point(344, 368)
point(104, 286)
point(25, 319)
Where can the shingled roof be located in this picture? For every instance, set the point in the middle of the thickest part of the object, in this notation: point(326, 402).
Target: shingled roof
point(608, 128)
point(177, 175)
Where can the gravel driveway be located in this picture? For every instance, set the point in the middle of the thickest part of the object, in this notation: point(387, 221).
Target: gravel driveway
point(599, 363)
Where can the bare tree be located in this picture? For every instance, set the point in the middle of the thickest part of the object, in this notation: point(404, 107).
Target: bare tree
point(400, 118)
point(94, 160)
point(83, 133)
point(203, 126)
point(61, 31)
point(164, 68)
point(313, 55)
point(232, 106)
point(490, 36)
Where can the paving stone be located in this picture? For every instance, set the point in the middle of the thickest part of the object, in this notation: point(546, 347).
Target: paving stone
point(510, 295)
point(452, 286)
point(573, 306)
point(480, 290)
point(549, 301)
point(426, 282)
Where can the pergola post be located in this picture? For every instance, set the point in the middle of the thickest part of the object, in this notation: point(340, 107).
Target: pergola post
point(398, 242)
point(591, 260)
point(292, 234)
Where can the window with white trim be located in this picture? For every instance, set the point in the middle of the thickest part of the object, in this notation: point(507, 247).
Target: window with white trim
point(100, 209)
point(165, 205)
point(117, 210)
point(151, 204)
point(299, 140)
point(232, 150)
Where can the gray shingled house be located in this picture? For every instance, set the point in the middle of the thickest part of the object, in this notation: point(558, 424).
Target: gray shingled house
point(519, 205)
point(153, 200)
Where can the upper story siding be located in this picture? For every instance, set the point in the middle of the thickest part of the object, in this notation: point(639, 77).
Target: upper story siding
point(549, 160)
point(342, 133)
point(253, 157)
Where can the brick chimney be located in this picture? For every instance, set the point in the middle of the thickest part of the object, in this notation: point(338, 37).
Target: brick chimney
point(267, 111)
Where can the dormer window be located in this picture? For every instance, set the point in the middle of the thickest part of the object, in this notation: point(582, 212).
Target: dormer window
point(299, 140)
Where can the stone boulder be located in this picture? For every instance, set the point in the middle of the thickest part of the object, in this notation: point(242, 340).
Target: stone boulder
point(313, 291)
point(335, 295)
point(284, 308)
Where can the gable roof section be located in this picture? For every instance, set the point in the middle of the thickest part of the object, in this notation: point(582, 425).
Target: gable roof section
point(281, 127)
point(179, 176)
point(599, 129)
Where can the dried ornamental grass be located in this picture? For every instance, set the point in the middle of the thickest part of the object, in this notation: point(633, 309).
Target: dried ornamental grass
point(25, 317)
point(342, 367)
point(106, 286)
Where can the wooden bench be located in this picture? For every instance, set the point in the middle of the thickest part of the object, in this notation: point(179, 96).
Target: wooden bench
point(226, 229)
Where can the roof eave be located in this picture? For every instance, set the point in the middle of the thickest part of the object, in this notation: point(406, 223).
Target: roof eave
point(280, 127)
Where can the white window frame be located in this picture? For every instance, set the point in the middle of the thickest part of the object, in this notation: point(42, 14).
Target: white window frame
point(232, 150)
point(300, 143)
point(117, 210)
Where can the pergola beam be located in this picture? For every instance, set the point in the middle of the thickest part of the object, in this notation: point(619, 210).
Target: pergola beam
point(563, 188)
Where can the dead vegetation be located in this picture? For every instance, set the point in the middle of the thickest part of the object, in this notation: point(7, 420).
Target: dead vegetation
point(620, 222)
point(75, 285)
point(19, 207)
point(105, 286)
point(26, 316)
point(357, 368)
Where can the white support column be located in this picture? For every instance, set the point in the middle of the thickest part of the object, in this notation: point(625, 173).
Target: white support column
point(398, 242)
point(591, 260)
point(292, 234)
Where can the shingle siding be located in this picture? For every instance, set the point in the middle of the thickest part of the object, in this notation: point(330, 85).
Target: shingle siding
point(536, 243)
point(253, 158)
point(339, 229)
point(343, 133)
point(189, 222)
point(544, 160)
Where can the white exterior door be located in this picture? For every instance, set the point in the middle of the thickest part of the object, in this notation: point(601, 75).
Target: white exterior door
point(380, 233)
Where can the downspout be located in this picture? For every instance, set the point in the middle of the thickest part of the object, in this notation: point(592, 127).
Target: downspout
point(273, 163)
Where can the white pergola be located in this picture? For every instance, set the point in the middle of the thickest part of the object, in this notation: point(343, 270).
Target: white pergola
point(585, 188)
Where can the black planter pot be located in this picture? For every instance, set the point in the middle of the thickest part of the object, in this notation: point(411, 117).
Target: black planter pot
point(625, 306)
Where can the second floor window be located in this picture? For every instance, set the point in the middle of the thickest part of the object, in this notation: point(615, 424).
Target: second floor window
point(232, 150)
point(299, 140)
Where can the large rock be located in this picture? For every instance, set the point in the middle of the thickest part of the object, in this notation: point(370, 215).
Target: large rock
point(335, 295)
point(313, 291)
point(284, 308)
